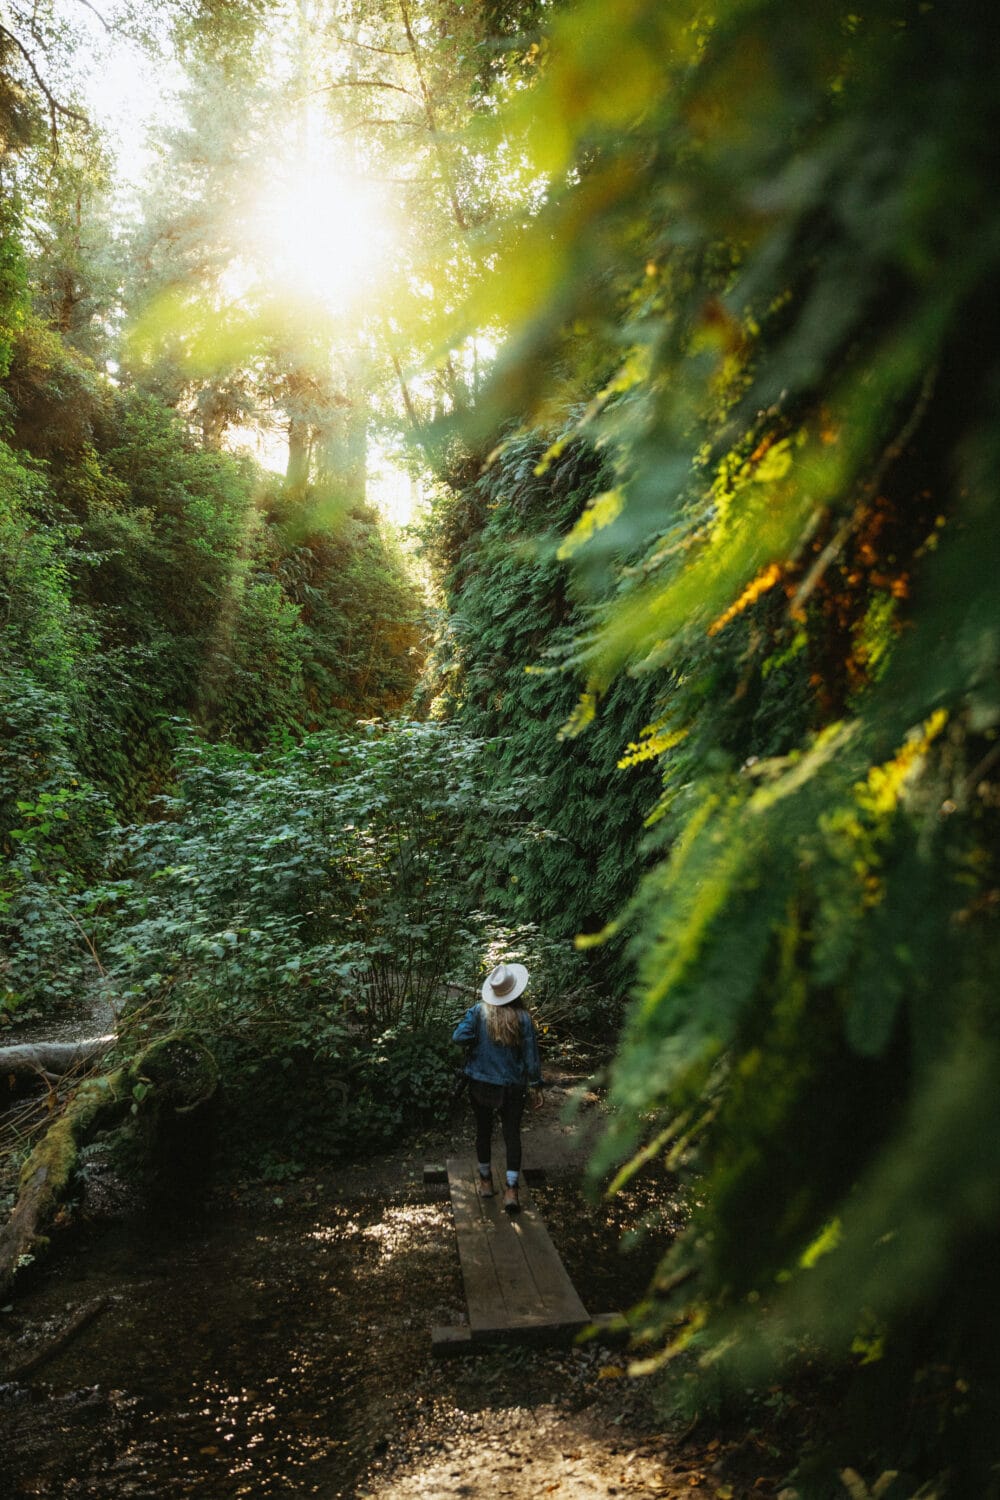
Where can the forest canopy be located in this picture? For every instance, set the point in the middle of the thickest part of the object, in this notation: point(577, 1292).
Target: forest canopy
point(683, 319)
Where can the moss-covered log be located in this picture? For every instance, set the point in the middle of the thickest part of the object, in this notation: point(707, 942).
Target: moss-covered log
point(174, 1076)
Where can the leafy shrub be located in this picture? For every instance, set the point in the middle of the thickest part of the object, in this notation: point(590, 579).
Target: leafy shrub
point(310, 913)
point(402, 1081)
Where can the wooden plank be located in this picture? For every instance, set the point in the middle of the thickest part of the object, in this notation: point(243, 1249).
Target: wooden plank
point(513, 1275)
point(553, 1291)
point(482, 1291)
point(497, 1287)
point(553, 1287)
point(515, 1283)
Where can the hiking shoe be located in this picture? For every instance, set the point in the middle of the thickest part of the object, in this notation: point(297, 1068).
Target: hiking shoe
point(486, 1188)
point(511, 1202)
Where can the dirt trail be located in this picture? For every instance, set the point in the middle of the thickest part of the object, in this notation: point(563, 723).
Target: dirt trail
point(522, 1423)
point(522, 1452)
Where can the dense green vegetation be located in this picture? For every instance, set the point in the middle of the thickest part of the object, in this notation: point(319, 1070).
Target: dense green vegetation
point(148, 579)
point(782, 233)
point(714, 688)
point(311, 912)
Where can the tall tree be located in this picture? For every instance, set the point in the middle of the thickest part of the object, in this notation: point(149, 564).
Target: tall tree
point(72, 260)
point(183, 257)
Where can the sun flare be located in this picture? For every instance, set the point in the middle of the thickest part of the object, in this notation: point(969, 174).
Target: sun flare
point(322, 236)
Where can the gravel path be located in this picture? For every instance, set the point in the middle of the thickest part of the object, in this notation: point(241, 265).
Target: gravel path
point(467, 1438)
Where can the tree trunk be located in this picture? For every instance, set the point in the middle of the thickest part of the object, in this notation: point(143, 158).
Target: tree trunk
point(297, 471)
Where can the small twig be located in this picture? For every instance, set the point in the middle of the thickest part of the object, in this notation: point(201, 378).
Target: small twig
point(362, 83)
point(23, 1120)
point(352, 41)
point(976, 775)
point(76, 1324)
point(869, 487)
point(95, 12)
point(366, 123)
point(84, 934)
point(826, 557)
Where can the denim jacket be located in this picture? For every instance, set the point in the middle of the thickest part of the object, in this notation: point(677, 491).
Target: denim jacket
point(492, 1062)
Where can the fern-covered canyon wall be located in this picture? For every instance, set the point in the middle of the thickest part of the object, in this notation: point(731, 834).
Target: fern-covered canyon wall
point(783, 250)
point(501, 670)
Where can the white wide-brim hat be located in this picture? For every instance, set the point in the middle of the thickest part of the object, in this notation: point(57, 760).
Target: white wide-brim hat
point(504, 984)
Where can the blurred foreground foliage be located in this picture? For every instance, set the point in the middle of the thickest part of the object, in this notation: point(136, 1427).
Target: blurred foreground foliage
point(762, 285)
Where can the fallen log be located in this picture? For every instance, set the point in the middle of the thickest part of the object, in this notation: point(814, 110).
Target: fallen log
point(51, 1057)
point(174, 1076)
point(47, 1173)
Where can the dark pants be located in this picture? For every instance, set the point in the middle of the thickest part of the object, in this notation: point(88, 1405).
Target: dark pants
point(487, 1099)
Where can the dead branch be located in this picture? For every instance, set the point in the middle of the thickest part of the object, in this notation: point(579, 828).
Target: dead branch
point(66, 1334)
point(869, 487)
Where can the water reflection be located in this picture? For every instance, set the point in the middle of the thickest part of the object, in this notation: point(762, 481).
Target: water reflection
point(236, 1361)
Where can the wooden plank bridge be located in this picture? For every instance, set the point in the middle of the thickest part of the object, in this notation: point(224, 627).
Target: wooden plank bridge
point(516, 1287)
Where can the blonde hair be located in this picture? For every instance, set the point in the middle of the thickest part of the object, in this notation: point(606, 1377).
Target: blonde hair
point(503, 1022)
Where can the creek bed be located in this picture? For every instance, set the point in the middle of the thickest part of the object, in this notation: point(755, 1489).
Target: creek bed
point(250, 1354)
point(270, 1348)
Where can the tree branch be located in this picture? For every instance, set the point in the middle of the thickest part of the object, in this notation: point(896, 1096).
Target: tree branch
point(363, 83)
point(350, 41)
point(367, 123)
point(95, 12)
point(869, 487)
point(56, 107)
point(428, 104)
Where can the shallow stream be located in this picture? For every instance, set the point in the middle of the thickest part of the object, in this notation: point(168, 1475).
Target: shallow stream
point(248, 1354)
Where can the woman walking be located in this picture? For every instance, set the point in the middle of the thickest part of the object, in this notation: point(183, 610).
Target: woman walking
point(502, 1063)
